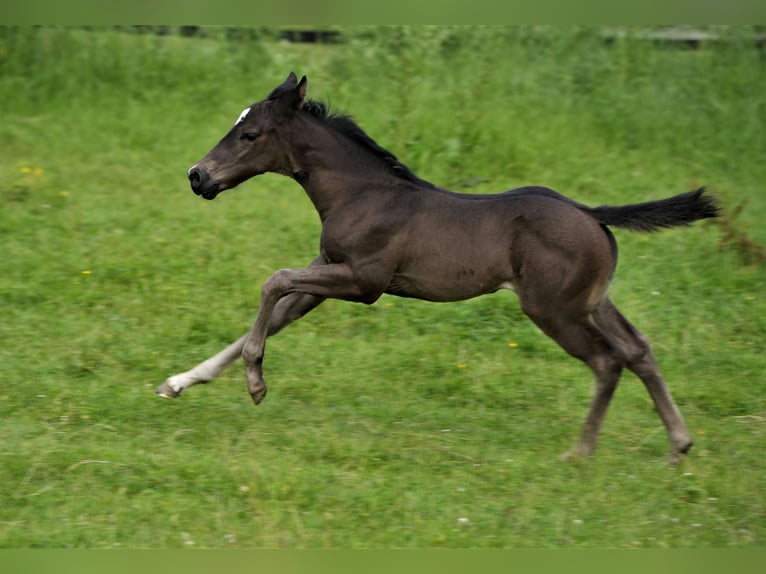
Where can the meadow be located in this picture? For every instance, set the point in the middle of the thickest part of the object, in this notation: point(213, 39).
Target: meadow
point(403, 423)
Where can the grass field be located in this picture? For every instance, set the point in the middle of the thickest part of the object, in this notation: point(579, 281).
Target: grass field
point(401, 424)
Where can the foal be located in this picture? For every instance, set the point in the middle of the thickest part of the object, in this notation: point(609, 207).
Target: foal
point(384, 230)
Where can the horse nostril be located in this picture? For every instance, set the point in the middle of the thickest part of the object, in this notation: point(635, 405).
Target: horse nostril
point(195, 178)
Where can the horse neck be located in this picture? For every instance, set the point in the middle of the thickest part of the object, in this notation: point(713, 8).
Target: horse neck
point(330, 167)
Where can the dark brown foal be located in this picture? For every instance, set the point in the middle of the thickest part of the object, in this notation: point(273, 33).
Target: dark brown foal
point(384, 230)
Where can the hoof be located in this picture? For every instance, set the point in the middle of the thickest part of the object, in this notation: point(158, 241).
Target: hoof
point(572, 457)
point(679, 451)
point(577, 453)
point(568, 455)
point(258, 396)
point(166, 391)
point(675, 458)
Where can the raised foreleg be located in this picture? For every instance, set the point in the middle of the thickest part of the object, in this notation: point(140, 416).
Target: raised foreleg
point(289, 309)
point(204, 372)
point(337, 281)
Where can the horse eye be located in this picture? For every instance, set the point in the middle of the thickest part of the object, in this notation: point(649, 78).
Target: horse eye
point(250, 136)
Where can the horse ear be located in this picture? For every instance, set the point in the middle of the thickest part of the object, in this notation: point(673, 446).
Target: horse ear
point(290, 95)
point(302, 85)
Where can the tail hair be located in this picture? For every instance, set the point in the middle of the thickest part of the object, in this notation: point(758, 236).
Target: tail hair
point(683, 209)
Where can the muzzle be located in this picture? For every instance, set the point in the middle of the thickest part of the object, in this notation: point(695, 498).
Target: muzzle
point(202, 184)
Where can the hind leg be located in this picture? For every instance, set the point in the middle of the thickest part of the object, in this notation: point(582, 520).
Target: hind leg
point(604, 387)
point(640, 361)
point(581, 337)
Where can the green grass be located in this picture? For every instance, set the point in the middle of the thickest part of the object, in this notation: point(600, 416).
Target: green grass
point(402, 424)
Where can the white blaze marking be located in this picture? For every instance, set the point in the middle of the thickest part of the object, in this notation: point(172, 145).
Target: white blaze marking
point(242, 116)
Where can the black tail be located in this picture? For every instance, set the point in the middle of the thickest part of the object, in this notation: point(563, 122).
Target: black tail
point(682, 209)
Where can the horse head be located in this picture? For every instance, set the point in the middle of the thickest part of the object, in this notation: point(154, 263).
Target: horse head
point(253, 145)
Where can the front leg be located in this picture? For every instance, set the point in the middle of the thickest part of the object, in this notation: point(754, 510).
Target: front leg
point(336, 281)
point(289, 309)
point(204, 372)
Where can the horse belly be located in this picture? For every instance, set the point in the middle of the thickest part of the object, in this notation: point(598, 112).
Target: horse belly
point(446, 279)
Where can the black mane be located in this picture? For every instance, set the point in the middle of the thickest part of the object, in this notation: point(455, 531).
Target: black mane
point(345, 126)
